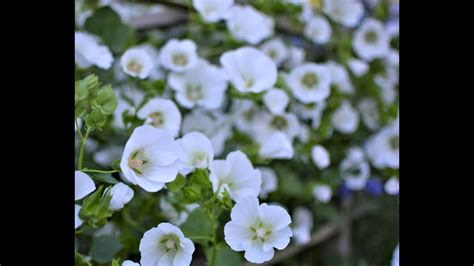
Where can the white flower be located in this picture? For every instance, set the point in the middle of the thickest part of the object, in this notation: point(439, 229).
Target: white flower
point(355, 170)
point(150, 158)
point(213, 10)
point(121, 195)
point(296, 57)
point(302, 225)
point(345, 119)
point(318, 30)
point(236, 175)
point(358, 67)
point(83, 185)
point(195, 151)
point(267, 124)
point(157, 72)
point(340, 78)
point(179, 56)
point(107, 155)
point(165, 245)
point(393, 28)
point(269, 181)
point(127, 103)
point(88, 51)
point(387, 83)
point(249, 70)
point(162, 114)
point(137, 62)
point(217, 128)
point(203, 85)
point(320, 156)
point(130, 263)
point(396, 256)
point(393, 58)
point(370, 40)
point(322, 193)
point(392, 186)
point(276, 146)
point(245, 23)
point(369, 112)
point(276, 101)
point(383, 148)
point(245, 112)
point(276, 50)
point(346, 12)
point(310, 82)
point(257, 229)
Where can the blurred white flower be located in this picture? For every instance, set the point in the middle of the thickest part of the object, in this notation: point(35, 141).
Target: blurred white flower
point(276, 101)
point(310, 82)
point(213, 10)
point(370, 114)
point(165, 245)
point(355, 170)
point(302, 225)
point(162, 114)
point(130, 263)
point(393, 28)
point(268, 124)
point(312, 112)
point(269, 181)
point(83, 185)
point(150, 158)
point(320, 156)
point(358, 67)
point(249, 70)
point(345, 119)
point(236, 175)
point(245, 23)
point(346, 12)
point(322, 193)
point(157, 72)
point(88, 51)
point(121, 195)
point(179, 55)
point(396, 256)
point(137, 62)
point(392, 186)
point(387, 83)
point(340, 78)
point(127, 103)
point(203, 85)
point(107, 155)
point(257, 229)
point(276, 146)
point(318, 30)
point(370, 40)
point(383, 148)
point(296, 57)
point(246, 112)
point(174, 216)
point(195, 151)
point(77, 220)
point(217, 128)
point(275, 49)
point(393, 58)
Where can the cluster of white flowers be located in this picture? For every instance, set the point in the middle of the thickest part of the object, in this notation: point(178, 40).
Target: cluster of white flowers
point(266, 100)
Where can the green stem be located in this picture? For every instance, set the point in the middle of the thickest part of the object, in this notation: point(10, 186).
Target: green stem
point(83, 146)
point(98, 171)
point(212, 261)
point(79, 130)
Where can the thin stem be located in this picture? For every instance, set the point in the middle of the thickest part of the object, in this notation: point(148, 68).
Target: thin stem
point(79, 130)
point(212, 261)
point(130, 221)
point(99, 171)
point(83, 146)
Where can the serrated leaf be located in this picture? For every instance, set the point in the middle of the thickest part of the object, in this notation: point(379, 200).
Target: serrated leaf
point(104, 248)
point(105, 100)
point(96, 119)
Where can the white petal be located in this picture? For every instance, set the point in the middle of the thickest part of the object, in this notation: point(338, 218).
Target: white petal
point(255, 253)
point(78, 221)
point(84, 185)
point(276, 216)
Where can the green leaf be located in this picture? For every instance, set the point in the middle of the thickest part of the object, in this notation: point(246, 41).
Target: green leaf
point(105, 178)
point(105, 100)
point(197, 224)
point(108, 25)
point(95, 209)
point(81, 261)
point(104, 248)
point(225, 256)
point(198, 188)
point(96, 119)
point(177, 184)
point(115, 262)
